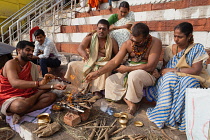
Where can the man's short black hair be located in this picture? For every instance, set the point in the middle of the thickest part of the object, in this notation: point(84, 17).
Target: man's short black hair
point(140, 29)
point(22, 44)
point(103, 21)
point(38, 32)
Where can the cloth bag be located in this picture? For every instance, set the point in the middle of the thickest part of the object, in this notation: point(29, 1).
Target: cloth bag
point(197, 113)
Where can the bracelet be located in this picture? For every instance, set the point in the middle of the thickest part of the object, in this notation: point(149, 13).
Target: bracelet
point(37, 83)
point(52, 86)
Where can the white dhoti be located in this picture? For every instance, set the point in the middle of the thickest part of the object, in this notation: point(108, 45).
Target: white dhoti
point(133, 91)
point(75, 75)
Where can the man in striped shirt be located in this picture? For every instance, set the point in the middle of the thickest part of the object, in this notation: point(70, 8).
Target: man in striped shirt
point(45, 52)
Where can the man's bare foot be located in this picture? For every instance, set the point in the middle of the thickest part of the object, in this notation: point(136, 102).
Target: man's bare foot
point(16, 118)
point(132, 107)
point(110, 7)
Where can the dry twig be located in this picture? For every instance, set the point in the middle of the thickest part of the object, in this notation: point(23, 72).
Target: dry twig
point(118, 130)
point(92, 134)
point(98, 126)
point(165, 134)
point(86, 123)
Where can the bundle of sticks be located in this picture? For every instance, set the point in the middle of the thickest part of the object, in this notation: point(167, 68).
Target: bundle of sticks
point(100, 131)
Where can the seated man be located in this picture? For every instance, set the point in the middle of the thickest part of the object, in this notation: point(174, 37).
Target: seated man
point(45, 52)
point(20, 92)
point(101, 48)
point(143, 52)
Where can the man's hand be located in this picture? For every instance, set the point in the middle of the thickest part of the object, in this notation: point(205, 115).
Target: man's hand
point(85, 57)
point(59, 86)
point(46, 79)
point(164, 71)
point(123, 69)
point(91, 76)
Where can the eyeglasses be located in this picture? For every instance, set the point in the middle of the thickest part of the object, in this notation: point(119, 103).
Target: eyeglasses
point(138, 43)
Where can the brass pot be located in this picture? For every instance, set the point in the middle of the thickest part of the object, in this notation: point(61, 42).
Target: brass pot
point(123, 119)
point(43, 118)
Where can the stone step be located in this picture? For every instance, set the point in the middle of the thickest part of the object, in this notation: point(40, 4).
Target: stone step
point(67, 47)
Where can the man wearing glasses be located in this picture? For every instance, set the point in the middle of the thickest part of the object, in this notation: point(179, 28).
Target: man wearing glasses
point(143, 55)
point(96, 50)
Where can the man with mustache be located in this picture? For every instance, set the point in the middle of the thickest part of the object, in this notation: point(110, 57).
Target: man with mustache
point(20, 90)
point(96, 50)
point(143, 51)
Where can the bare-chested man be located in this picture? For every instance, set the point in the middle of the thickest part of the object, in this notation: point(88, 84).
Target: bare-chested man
point(20, 90)
point(96, 50)
point(144, 52)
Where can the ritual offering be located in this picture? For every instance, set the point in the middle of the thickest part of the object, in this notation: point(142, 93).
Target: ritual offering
point(78, 107)
point(56, 107)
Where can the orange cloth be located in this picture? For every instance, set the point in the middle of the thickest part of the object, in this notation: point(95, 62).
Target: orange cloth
point(6, 89)
point(94, 3)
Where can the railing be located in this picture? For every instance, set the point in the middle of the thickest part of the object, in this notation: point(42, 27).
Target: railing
point(38, 13)
point(6, 23)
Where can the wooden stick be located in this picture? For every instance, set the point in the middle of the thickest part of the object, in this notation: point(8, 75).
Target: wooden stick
point(120, 137)
point(92, 134)
point(86, 123)
point(85, 106)
point(165, 134)
point(130, 137)
point(102, 129)
point(114, 122)
point(98, 126)
point(139, 137)
point(118, 130)
point(112, 130)
point(106, 136)
point(100, 138)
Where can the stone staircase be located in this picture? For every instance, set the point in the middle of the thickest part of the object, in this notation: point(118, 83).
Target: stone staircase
point(160, 15)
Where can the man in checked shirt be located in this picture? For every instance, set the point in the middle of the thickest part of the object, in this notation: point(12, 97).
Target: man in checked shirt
point(45, 52)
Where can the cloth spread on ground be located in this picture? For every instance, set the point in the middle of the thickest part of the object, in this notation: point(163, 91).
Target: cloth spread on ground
point(170, 89)
point(30, 117)
point(121, 35)
point(6, 89)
